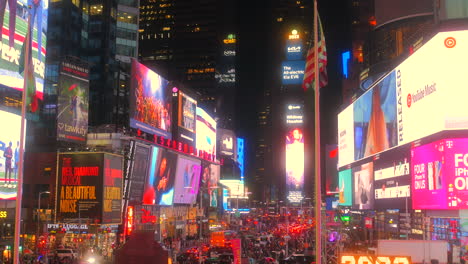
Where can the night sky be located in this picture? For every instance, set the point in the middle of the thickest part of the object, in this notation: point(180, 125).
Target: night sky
point(254, 49)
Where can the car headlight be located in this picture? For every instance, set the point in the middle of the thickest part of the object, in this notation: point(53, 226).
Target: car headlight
point(91, 260)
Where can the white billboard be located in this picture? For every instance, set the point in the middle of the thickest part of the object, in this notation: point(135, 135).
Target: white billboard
point(424, 95)
point(206, 133)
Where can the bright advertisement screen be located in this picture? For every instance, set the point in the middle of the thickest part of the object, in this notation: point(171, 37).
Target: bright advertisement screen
point(73, 103)
point(294, 165)
point(293, 72)
point(375, 123)
point(363, 176)
point(227, 142)
point(345, 137)
point(9, 154)
point(345, 185)
point(14, 17)
point(392, 179)
point(294, 49)
point(241, 156)
point(213, 189)
point(206, 133)
point(439, 173)
point(112, 193)
point(150, 101)
point(235, 187)
point(187, 180)
point(203, 194)
point(142, 158)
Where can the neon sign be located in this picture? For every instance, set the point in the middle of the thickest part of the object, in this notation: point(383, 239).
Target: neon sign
point(361, 259)
point(147, 217)
point(130, 218)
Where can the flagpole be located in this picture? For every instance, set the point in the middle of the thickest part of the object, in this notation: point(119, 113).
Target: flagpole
point(19, 195)
point(318, 191)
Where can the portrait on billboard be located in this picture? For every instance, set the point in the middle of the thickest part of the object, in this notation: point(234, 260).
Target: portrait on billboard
point(364, 186)
point(165, 178)
point(150, 104)
point(9, 155)
point(375, 122)
point(187, 180)
point(144, 172)
point(294, 164)
point(73, 104)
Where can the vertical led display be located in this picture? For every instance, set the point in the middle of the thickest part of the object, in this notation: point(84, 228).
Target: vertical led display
point(206, 134)
point(204, 195)
point(165, 177)
point(149, 180)
point(187, 180)
point(213, 185)
point(186, 119)
point(240, 156)
point(294, 165)
point(13, 18)
point(364, 186)
point(73, 103)
point(345, 185)
point(150, 101)
point(112, 193)
point(141, 162)
point(9, 154)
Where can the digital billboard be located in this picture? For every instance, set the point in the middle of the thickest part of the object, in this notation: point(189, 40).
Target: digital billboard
point(206, 133)
point(186, 118)
point(392, 179)
point(213, 189)
point(150, 101)
point(345, 185)
point(9, 154)
point(424, 83)
point(187, 180)
point(241, 157)
point(112, 193)
point(203, 194)
point(14, 21)
point(88, 187)
point(165, 177)
point(294, 114)
point(440, 174)
point(363, 176)
point(375, 123)
point(227, 142)
point(73, 103)
point(294, 141)
point(331, 172)
point(140, 171)
point(293, 72)
point(294, 50)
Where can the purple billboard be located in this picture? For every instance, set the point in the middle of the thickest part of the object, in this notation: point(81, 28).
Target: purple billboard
point(440, 174)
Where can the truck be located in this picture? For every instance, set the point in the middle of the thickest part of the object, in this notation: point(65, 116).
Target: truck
point(420, 251)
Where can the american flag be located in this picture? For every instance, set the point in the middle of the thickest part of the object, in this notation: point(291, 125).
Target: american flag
point(309, 73)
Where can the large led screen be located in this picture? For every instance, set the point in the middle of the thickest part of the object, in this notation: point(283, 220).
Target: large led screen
point(227, 142)
point(112, 193)
point(150, 101)
point(9, 154)
point(294, 49)
point(293, 72)
point(203, 194)
point(345, 185)
point(363, 176)
point(206, 133)
point(427, 94)
point(187, 180)
point(392, 179)
point(439, 174)
point(213, 189)
point(13, 17)
point(140, 168)
point(165, 177)
point(186, 119)
point(294, 164)
point(375, 120)
point(73, 103)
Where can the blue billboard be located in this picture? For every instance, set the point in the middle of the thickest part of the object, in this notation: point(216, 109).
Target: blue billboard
point(294, 50)
point(292, 72)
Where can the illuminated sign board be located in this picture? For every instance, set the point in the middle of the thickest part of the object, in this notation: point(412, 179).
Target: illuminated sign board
point(89, 186)
point(206, 133)
point(240, 156)
point(294, 35)
point(363, 176)
point(3, 214)
point(294, 50)
point(227, 142)
point(440, 174)
point(294, 143)
point(187, 180)
point(294, 114)
point(359, 259)
point(14, 24)
point(140, 167)
point(226, 76)
point(345, 187)
point(293, 72)
point(186, 116)
point(394, 109)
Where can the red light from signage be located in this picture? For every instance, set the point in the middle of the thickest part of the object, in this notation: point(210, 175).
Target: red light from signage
point(356, 259)
point(147, 217)
point(333, 153)
point(130, 218)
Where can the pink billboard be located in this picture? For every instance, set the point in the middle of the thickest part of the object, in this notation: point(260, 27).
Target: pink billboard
point(440, 175)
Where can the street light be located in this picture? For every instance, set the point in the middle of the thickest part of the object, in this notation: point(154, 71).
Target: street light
point(39, 217)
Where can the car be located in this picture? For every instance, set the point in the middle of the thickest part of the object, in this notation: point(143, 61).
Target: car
point(64, 253)
point(299, 259)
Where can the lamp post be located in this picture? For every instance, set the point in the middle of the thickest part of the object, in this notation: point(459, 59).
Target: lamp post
point(39, 218)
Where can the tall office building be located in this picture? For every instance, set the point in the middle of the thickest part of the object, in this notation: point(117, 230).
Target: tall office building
point(193, 43)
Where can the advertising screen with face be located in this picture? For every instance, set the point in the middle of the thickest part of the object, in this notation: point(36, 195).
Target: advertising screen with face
point(187, 180)
point(295, 164)
point(13, 18)
point(392, 179)
point(144, 173)
point(150, 101)
point(363, 186)
point(345, 185)
point(165, 178)
point(206, 133)
point(9, 154)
